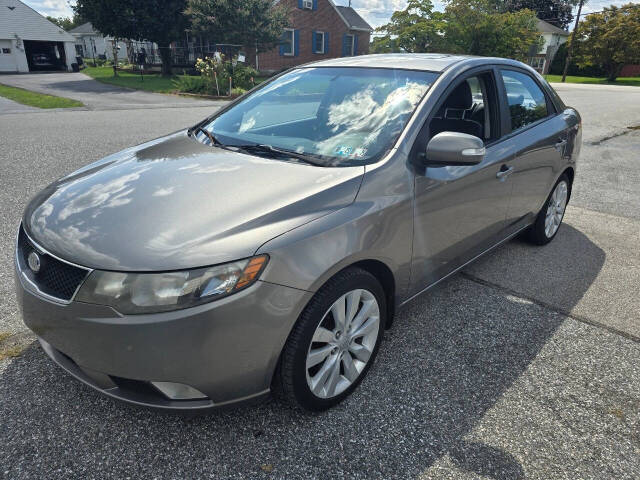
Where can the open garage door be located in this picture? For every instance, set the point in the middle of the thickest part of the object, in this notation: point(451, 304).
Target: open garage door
point(43, 56)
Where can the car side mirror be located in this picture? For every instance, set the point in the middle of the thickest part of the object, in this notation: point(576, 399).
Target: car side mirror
point(454, 149)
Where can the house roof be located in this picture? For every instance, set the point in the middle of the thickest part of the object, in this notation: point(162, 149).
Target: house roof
point(353, 19)
point(84, 28)
point(348, 15)
point(18, 20)
point(546, 27)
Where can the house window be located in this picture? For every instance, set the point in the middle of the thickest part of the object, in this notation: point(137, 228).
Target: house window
point(537, 63)
point(286, 46)
point(349, 46)
point(6, 50)
point(79, 51)
point(318, 42)
point(307, 4)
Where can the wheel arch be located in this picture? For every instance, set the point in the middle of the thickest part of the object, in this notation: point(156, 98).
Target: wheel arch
point(571, 174)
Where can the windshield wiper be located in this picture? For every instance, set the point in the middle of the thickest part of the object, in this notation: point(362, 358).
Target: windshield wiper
point(280, 151)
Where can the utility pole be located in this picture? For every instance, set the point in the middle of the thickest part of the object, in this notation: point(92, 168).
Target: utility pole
point(572, 44)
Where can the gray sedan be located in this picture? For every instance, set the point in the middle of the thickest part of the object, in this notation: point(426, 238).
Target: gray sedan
point(267, 248)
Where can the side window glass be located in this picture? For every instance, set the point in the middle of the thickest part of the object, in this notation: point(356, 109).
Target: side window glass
point(464, 111)
point(527, 103)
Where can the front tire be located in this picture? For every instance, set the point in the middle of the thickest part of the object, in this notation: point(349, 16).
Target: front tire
point(550, 216)
point(333, 343)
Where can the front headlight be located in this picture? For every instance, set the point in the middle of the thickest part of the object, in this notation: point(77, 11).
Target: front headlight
point(134, 293)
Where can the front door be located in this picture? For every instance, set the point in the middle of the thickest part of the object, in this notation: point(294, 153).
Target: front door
point(460, 211)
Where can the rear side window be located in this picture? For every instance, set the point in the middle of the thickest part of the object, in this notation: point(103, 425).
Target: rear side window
point(527, 103)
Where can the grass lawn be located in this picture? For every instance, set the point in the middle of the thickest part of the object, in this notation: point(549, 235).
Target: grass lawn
point(33, 99)
point(151, 83)
point(633, 81)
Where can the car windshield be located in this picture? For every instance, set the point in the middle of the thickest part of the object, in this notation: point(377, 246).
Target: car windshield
point(335, 116)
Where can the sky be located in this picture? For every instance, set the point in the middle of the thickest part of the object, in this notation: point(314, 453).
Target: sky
point(376, 12)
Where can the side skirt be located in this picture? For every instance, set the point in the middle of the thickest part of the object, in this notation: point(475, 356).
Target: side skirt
point(456, 270)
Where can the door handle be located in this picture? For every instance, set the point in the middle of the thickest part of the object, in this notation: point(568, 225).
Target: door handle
point(504, 172)
point(560, 145)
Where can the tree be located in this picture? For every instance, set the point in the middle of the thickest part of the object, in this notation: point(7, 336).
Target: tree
point(477, 27)
point(555, 12)
point(610, 39)
point(67, 23)
point(244, 22)
point(159, 21)
point(415, 29)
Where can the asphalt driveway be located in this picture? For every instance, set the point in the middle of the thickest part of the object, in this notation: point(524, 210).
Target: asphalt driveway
point(96, 95)
point(526, 365)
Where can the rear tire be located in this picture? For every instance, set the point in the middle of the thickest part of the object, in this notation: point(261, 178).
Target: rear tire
point(326, 357)
point(550, 216)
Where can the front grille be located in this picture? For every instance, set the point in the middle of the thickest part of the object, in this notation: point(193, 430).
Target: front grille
point(55, 278)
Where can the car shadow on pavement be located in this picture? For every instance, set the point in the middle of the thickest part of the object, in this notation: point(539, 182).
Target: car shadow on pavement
point(87, 86)
point(450, 357)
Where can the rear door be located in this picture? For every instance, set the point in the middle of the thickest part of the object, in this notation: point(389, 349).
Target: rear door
point(539, 136)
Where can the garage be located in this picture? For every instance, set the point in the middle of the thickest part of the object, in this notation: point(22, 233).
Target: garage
point(45, 56)
point(29, 42)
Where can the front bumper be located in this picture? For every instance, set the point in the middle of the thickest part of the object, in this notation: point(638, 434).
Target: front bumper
point(227, 349)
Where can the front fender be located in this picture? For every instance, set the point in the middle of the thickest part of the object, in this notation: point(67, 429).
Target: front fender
point(308, 256)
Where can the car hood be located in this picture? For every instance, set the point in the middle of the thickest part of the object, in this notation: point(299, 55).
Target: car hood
point(175, 203)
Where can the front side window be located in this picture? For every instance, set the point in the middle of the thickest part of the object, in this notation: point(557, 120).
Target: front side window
point(527, 103)
point(469, 108)
point(286, 43)
point(338, 116)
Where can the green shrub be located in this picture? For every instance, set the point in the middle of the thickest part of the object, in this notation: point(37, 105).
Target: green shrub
point(237, 91)
point(243, 75)
point(557, 66)
point(188, 84)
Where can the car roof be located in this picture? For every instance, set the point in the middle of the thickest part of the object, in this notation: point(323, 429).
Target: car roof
point(433, 62)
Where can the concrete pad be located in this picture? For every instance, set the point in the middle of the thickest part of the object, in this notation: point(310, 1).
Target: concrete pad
point(591, 270)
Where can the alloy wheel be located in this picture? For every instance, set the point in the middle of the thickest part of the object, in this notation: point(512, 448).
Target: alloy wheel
point(555, 209)
point(343, 343)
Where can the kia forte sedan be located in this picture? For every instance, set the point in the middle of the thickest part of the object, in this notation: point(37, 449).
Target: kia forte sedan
point(268, 247)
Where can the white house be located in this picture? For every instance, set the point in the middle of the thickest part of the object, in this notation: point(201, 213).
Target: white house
point(553, 38)
point(28, 41)
point(92, 44)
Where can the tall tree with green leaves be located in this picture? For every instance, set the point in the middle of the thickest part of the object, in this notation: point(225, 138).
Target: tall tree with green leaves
point(159, 21)
point(417, 28)
point(610, 39)
point(555, 12)
point(243, 22)
point(475, 27)
point(67, 23)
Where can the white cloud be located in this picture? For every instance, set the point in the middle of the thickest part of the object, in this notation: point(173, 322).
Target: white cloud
point(54, 8)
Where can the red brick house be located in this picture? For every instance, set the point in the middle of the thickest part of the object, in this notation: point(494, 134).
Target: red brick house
point(318, 29)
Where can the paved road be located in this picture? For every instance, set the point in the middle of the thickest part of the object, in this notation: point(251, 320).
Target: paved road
point(524, 366)
point(96, 95)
